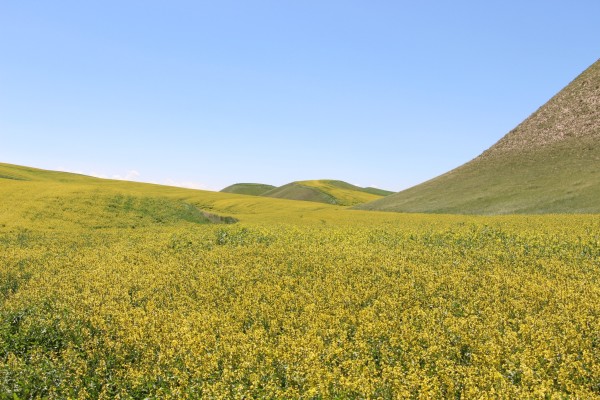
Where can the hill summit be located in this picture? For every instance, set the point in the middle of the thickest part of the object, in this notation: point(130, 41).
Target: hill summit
point(321, 191)
point(550, 163)
point(251, 189)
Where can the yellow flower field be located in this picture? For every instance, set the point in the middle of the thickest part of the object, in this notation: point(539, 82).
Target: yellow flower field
point(339, 305)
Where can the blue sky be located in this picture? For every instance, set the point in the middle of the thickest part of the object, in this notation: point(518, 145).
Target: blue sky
point(206, 94)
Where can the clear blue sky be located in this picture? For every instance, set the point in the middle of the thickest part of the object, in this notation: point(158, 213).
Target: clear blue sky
point(209, 93)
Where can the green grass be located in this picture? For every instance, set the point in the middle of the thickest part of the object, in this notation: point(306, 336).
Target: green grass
point(327, 191)
point(113, 289)
point(548, 164)
point(58, 200)
point(251, 189)
point(377, 191)
point(321, 191)
point(563, 178)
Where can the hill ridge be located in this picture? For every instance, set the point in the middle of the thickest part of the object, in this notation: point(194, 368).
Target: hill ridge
point(557, 119)
point(327, 191)
point(251, 189)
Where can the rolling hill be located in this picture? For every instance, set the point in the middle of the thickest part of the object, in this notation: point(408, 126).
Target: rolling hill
point(251, 189)
point(43, 199)
point(326, 191)
point(550, 163)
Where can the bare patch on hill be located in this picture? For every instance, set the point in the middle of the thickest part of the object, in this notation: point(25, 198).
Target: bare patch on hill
point(572, 113)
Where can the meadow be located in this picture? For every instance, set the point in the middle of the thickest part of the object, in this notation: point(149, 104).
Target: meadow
point(119, 290)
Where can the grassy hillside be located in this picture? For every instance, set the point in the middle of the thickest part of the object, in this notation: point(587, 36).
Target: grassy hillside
point(320, 191)
point(22, 173)
point(377, 191)
point(59, 200)
point(326, 191)
point(550, 163)
point(252, 189)
point(112, 289)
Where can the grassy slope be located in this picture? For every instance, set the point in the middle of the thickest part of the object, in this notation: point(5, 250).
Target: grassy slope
point(49, 201)
point(548, 164)
point(57, 200)
point(298, 298)
point(22, 173)
point(252, 189)
point(326, 191)
point(36, 199)
point(377, 191)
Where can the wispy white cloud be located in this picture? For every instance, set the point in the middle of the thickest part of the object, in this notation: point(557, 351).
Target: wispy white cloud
point(134, 175)
point(188, 185)
point(131, 175)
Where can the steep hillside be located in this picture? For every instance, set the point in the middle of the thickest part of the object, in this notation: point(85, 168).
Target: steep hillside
point(326, 191)
point(252, 189)
point(550, 163)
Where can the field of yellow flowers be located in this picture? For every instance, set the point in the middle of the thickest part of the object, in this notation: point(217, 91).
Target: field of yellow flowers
point(338, 305)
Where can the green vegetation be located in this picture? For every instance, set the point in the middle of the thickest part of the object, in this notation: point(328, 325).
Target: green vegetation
point(562, 178)
point(58, 201)
point(320, 191)
point(22, 173)
point(377, 191)
point(326, 191)
point(548, 164)
point(252, 189)
point(112, 289)
point(297, 191)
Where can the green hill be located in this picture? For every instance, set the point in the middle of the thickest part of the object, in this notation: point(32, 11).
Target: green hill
point(22, 173)
point(56, 199)
point(326, 191)
point(252, 189)
point(377, 191)
point(550, 163)
point(42, 199)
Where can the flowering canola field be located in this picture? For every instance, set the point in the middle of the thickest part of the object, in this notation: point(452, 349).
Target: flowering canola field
point(107, 295)
point(405, 307)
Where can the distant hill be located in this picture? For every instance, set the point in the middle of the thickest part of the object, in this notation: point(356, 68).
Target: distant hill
point(327, 191)
point(252, 189)
point(22, 173)
point(65, 199)
point(377, 191)
point(550, 163)
point(42, 199)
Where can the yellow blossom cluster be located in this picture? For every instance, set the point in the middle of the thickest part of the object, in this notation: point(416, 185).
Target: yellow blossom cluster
point(339, 306)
